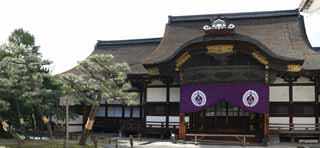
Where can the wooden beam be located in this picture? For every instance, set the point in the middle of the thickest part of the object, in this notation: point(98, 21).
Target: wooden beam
point(182, 127)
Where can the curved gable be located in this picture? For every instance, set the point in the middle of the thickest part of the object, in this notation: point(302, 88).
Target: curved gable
point(280, 32)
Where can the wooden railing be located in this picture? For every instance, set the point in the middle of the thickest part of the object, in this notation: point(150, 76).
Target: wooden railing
point(294, 127)
point(153, 124)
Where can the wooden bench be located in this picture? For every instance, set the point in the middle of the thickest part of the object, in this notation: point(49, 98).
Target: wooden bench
point(243, 136)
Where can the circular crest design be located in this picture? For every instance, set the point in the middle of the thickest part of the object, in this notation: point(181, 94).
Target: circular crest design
point(198, 98)
point(250, 98)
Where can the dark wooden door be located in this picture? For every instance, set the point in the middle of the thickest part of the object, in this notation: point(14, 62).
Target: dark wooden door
point(224, 118)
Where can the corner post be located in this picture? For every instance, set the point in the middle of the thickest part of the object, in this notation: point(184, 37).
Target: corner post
point(182, 127)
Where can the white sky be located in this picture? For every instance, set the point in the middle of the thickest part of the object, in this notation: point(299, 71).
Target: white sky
point(67, 30)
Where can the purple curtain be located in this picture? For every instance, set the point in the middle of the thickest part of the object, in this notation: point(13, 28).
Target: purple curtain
point(249, 96)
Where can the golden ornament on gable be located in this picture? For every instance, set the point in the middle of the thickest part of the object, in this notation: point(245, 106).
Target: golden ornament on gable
point(294, 68)
point(220, 49)
point(258, 56)
point(182, 59)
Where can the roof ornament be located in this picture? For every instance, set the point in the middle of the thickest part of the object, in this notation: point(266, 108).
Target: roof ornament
point(219, 26)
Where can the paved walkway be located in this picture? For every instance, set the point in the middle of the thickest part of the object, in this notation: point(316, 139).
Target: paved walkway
point(155, 143)
point(158, 143)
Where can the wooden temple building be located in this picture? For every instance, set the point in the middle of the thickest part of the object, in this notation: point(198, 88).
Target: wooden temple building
point(238, 73)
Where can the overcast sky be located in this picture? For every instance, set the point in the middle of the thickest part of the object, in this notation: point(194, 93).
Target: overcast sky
point(67, 30)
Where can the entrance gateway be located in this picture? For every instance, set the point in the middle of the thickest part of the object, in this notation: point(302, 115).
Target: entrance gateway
point(224, 81)
point(218, 74)
point(225, 108)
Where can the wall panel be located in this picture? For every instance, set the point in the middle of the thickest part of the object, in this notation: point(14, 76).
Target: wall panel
point(156, 94)
point(174, 94)
point(303, 93)
point(303, 120)
point(279, 94)
point(279, 120)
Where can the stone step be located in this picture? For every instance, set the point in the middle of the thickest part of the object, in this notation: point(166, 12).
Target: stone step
point(274, 139)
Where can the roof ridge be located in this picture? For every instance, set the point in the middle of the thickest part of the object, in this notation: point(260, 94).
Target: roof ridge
point(238, 15)
point(143, 40)
point(101, 43)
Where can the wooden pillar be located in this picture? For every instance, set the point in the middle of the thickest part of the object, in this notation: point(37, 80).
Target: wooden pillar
point(182, 127)
point(167, 104)
point(290, 83)
point(317, 110)
point(145, 85)
point(141, 103)
point(266, 128)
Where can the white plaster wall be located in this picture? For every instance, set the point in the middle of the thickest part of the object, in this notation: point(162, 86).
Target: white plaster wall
point(101, 112)
point(175, 119)
point(175, 94)
point(156, 118)
point(150, 119)
point(303, 120)
point(156, 94)
point(279, 120)
point(75, 128)
point(279, 93)
point(284, 120)
point(303, 93)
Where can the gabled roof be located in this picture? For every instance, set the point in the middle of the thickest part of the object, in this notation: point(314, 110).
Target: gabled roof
point(131, 51)
point(282, 33)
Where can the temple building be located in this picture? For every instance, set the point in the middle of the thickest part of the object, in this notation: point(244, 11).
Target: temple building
point(238, 73)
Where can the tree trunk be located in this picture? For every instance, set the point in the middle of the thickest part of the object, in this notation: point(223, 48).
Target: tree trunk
point(49, 127)
point(89, 124)
point(34, 124)
point(21, 121)
point(6, 128)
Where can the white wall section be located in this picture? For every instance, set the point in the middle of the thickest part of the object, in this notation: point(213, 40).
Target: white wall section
point(303, 93)
point(279, 93)
point(174, 94)
point(156, 94)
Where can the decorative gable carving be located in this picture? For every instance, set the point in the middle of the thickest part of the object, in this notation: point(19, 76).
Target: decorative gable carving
point(219, 27)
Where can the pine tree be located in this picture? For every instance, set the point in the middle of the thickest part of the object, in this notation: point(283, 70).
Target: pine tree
point(98, 79)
